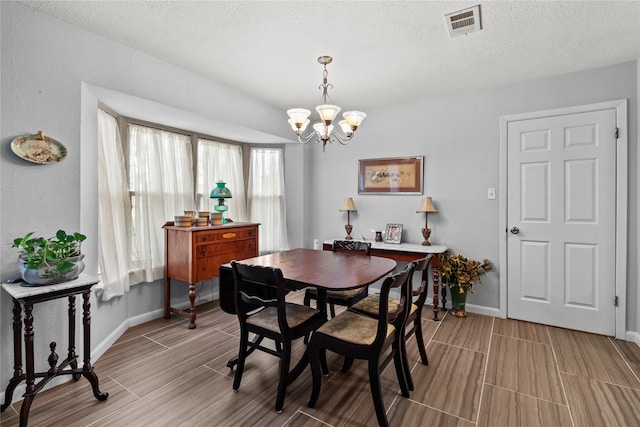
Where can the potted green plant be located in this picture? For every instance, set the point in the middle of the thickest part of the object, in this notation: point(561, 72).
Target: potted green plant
point(45, 261)
point(460, 274)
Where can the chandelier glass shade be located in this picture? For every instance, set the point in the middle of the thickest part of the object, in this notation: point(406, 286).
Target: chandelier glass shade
point(323, 131)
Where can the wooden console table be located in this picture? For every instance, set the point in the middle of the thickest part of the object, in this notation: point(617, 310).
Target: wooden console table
point(408, 252)
point(27, 297)
point(194, 254)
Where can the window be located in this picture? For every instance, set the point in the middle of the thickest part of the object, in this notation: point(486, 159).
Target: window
point(218, 161)
point(150, 178)
point(161, 187)
point(266, 198)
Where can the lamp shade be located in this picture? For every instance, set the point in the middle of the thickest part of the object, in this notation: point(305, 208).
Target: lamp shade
point(354, 118)
point(298, 115)
point(323, 131)
point(426, 206)
point(220, 191)
point(348, 205)
point(327, 112)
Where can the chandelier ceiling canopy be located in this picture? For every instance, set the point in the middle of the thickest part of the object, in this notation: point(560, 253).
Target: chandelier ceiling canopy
point(323, 131)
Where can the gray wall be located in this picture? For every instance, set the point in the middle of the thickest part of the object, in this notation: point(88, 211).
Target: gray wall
point(459, 137)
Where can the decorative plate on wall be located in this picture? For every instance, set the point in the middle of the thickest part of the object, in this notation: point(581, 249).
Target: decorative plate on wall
point(38, 148)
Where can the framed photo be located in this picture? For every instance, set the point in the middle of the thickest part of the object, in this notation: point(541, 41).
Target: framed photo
point(394, 175)
point(393, 233)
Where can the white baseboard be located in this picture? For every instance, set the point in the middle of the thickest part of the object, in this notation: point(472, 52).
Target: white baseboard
point(479, 309)
point(633, 337)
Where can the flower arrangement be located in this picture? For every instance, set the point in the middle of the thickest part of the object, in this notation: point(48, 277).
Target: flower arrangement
point(458, 271)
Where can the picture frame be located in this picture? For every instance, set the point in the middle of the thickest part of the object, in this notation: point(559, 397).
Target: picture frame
point(391, 175)
point(393, 233)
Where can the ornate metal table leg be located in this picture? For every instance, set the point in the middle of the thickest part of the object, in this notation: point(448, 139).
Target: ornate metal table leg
point(72, 357)
point(87, 369)
point(18, 375)
point(31, 377)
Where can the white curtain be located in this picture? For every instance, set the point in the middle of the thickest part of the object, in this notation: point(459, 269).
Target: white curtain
point(161, 182)
point(266, 198)
point(221, 162)
point(113, 209)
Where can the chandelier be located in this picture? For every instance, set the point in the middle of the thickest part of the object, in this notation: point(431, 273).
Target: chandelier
point(323, 131)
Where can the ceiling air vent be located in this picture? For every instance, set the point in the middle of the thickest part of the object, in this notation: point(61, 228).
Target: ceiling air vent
point(464, 21)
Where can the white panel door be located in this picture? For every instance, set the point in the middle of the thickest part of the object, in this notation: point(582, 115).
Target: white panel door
point(561, 220)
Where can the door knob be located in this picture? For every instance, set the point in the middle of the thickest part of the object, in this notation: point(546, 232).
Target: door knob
point(515, 230)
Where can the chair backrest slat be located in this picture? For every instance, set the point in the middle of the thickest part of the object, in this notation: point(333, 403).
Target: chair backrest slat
point(400, 280)
point(422, 265)
point(352, 245)
point(258, 286)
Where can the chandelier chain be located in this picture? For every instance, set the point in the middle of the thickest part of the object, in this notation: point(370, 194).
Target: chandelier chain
point(325, 86)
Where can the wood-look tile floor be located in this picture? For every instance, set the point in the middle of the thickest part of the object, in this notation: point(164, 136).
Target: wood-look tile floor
point(483, 371)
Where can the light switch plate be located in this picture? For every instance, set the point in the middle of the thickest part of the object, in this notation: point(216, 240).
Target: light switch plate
point(491, 194)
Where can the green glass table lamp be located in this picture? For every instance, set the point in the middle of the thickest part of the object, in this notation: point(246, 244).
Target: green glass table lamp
point(221, 192)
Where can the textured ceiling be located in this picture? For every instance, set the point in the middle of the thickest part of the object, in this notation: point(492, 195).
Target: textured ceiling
point(385, 52)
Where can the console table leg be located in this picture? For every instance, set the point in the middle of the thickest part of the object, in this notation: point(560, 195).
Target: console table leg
point(435, 271)
point(444, 298)
point(167, 295)
point(87, 369)
point(18, 376)
point(31, 377)
point(71, 355)
point(192, 302)
point(24, 410)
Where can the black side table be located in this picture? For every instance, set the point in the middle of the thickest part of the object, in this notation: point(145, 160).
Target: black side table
point(26, 297)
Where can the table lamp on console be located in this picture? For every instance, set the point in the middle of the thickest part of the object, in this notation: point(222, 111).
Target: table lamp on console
point(349, 207)
point(221, 192)
point(427, 207)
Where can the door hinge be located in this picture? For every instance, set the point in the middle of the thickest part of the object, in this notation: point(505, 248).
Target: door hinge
point(617, 133)
point(615, 301)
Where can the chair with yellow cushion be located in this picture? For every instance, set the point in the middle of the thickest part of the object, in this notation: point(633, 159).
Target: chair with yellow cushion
point(272, 318)
point(369, 306)
point(358, 336)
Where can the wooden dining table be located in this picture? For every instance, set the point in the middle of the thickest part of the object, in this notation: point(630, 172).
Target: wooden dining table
point(302, 268)
point(326, 270)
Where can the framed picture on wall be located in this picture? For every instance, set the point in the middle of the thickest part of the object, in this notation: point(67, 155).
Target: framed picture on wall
point(393, 175)
point(393, 233)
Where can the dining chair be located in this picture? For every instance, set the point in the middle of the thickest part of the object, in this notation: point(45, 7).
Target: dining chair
point(369, 306)
point(342, 298)
point(272, 318)
point(358, 336)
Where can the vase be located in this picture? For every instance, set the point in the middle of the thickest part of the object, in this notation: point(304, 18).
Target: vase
point(50, 273)
point(458, 301)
